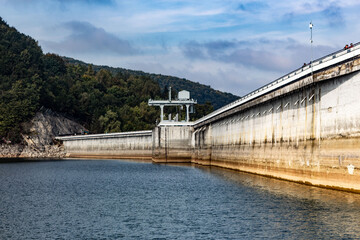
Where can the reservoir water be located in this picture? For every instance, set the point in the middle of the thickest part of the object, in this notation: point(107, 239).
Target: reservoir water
point(110, 199)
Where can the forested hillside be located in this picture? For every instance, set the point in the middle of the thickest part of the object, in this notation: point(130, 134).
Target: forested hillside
point(202, 93)
point(102, 99)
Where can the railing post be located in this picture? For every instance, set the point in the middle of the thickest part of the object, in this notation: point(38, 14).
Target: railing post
point(187, 113)
point(161, 113)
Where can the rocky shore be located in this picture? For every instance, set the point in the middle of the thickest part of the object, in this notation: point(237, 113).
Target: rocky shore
point(39, 140)
point(24, 151)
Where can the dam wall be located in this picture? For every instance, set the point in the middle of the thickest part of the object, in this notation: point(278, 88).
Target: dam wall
point(128, 145)
point(303, 127)
point(172, 142)
point(307, 131)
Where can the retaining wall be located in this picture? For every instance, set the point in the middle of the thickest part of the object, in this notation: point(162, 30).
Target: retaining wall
point(126, 145)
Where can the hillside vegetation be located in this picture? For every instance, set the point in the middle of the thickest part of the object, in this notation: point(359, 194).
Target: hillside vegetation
point(102, 99)
point(202, 93)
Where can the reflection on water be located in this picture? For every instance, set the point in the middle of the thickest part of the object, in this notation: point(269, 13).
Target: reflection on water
point(285, 188)
point(303, 211)
point(132, 200)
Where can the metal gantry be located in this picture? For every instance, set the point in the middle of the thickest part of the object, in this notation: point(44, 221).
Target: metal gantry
point(182, 100)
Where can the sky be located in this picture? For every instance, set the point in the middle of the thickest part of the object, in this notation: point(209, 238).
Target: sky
point(235, 46)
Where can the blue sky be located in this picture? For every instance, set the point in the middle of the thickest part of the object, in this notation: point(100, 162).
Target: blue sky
point(231, 45)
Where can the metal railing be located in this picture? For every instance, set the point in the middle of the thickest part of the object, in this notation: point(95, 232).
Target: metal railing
point(106, 135)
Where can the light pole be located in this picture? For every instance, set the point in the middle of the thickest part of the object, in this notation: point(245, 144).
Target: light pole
point(311, 42)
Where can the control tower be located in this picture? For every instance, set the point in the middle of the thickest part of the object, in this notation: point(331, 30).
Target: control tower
point(182, 100)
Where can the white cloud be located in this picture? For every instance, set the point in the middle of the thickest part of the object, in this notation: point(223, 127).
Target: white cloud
point(86, 38)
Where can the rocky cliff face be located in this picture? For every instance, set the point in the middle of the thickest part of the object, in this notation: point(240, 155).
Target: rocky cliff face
point(39, 140)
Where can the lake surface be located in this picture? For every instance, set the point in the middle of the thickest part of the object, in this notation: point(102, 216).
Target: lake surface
point(110, 199)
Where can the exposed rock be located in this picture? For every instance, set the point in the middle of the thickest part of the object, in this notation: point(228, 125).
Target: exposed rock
point(46, 125)
point(40, 138)
point(19, 150)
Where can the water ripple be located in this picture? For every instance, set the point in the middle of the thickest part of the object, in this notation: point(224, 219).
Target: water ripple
point(129, 200)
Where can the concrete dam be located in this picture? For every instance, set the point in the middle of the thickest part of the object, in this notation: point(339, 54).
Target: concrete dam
point(303, 127)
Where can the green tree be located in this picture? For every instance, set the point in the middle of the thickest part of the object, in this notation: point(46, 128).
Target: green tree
point(109, 122)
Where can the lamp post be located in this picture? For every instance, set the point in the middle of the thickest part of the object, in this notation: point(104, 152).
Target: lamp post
point(311, 42)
